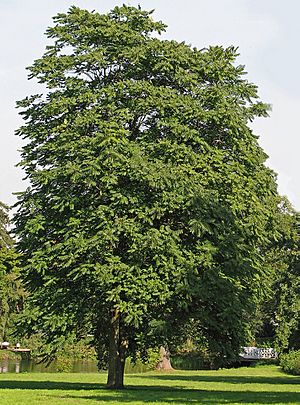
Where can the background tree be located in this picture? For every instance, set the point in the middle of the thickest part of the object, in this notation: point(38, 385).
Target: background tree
point(5, 238)
point(11, 292)
point(149, 203)
point(279, 258)
point(287, 293)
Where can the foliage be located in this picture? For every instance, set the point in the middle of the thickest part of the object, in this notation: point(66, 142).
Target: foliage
point(197, 360)
point(149, 202)
point(290, 362)
point(288, 295)
point(150, 359)
point(63, 365)
point(271, 320)
point(11, 292)
point(191, 350)
point(9, 355)
point(5, 239)
point(82, 350)
point(79, 350)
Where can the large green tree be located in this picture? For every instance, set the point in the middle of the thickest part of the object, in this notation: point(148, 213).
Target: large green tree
point(149, 202)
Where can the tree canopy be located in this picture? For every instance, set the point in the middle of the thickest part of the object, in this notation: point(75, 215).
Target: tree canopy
point(149, 202)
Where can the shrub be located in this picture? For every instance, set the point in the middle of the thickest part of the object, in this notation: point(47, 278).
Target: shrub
point(146, 361)
point(63, 365)
point(195, 360)
point(290, 362)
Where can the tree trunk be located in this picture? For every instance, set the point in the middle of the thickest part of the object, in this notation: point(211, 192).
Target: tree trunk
point(117, 355)
point(165, 361)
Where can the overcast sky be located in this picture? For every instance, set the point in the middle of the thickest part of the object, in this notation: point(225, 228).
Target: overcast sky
point(267, 34)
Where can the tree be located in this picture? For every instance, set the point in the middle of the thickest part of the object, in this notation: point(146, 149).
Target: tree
point(279, 260)
point(11, 292)
point(149, 201)
point(287, 293)
point(10, 289)
point(5, 238)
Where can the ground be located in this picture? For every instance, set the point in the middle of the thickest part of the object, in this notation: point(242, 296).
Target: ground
point(259, 385)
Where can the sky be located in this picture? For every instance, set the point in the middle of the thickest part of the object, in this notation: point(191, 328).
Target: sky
point(265, 31)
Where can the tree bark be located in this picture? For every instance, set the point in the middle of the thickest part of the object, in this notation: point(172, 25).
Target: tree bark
point(117, 355)
point(165, 361)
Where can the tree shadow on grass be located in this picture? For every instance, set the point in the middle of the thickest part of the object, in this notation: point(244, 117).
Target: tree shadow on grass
point(49, 385)
point(186, 396)
point(158, 394)
point(226, 379)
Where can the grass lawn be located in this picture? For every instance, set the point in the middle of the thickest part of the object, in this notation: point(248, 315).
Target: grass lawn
point(260, 385)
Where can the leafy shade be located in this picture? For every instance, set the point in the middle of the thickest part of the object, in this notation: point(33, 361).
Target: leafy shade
point(149, 202)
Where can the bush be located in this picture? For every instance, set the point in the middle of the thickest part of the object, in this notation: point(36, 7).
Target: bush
point(81, 350)
point(198, 360)
point(63, 365)
point(146, 362)
point(290, 362)
point(74, 350)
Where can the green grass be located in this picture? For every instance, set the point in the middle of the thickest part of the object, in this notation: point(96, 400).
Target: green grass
point(260, 385)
